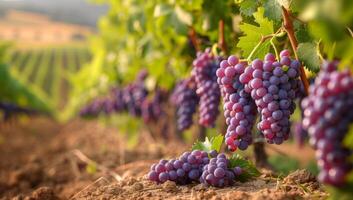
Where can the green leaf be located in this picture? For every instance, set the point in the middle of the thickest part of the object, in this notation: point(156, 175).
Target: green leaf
point(307, 53)
point(183, 16)
point(273, 10)
point(253, 34)
point(215, 143)
point(249, 169)
point(302, 34)
point(161, 10)
point(248, 7)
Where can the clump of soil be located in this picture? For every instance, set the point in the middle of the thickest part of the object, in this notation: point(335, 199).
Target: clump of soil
point(41, 159)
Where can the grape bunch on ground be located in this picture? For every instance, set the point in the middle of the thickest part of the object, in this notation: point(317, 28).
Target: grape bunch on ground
point(208, 168)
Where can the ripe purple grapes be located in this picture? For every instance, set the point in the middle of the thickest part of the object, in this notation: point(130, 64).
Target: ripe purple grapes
point(151, 109)
point(9, 110)
point(205, 66)
point(184, 97)
point(196, 166)
point(130, 98)
point(218, 173)
point(187, 168)
point(273, 85)
point(327, 115)
point(239, 107)
point(269, 86)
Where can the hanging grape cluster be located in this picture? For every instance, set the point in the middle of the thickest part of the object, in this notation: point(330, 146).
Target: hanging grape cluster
point(133, 99)
point(268, 86)
point(239, 108)
point(205, 67)
point(327, 116)
point(10, 110)
point(184, 97)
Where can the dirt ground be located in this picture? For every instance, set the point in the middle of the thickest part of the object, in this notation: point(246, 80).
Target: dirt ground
point(42, 160)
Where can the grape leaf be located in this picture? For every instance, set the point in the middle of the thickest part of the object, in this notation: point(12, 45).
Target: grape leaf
point(249, 169)
point(248, 7)
point(161, 10)
point(273, 10)
point(183, 16)
point(253, 34)
point(215, 143)
point(302, 34)
point(307, 53)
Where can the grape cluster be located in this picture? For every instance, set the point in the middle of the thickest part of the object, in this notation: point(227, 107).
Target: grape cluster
point(195, 166)
point(117, 96)
point(184, 97)
point(217, 172)
point(151, 110)
point(205, 66)
point(327, 115)
point(187, 168)
point(9, 110)
point(270, 87)
point(239, 108)
point(273, 85)
point(131, 98)
point(96, 107)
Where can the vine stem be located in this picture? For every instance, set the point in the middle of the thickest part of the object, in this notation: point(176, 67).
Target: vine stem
point(194, 41)
point(221, 40)
point(262, 40)
point(288, 27)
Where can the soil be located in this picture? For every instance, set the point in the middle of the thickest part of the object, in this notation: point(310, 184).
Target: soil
point(43, 160)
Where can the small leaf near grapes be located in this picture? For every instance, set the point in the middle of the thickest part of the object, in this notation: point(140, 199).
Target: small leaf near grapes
point(249, 169)
point(307, 53)
point(215, 143)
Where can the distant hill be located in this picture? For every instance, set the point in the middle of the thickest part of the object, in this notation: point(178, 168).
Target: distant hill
point(72, 11)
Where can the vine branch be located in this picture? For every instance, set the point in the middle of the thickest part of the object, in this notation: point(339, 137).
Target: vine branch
point(221, 41)
point(288, 27)
point(193, 38)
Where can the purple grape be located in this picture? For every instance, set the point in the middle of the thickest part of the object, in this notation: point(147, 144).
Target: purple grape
point(184, 97)
point(206, 68)
point(131, 99)
point(327, 115)
point(218, 172)
point(275, 99)
point(180, 170)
